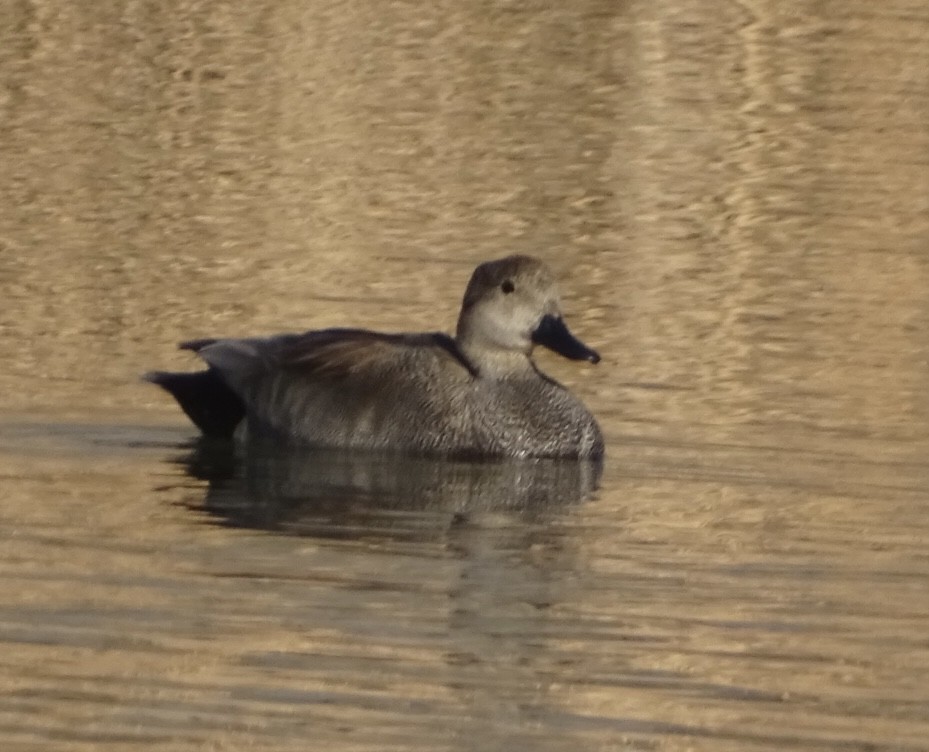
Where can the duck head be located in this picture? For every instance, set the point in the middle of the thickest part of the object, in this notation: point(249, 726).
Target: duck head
point(510, 306)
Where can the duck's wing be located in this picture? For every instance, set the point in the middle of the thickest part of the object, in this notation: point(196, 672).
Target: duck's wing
point(322, 356)
point(339, 353)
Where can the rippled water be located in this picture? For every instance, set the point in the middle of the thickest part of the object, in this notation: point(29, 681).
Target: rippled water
point(736, 196)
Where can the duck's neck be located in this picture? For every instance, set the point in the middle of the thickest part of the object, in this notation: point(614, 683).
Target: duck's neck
point(493, 362)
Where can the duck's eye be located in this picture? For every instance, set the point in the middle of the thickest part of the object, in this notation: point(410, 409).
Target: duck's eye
point(507, 286)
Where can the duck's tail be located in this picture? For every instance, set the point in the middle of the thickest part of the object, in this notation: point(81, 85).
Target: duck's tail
point(205, 398)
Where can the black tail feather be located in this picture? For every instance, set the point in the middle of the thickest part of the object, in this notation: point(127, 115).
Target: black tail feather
point(205, 398)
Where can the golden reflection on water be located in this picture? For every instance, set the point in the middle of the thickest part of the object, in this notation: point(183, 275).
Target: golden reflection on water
point(737, 198)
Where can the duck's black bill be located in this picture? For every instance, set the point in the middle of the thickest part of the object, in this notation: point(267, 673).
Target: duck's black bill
point(553, 334)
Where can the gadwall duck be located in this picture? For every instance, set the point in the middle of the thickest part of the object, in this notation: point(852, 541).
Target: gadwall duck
point(477, 394)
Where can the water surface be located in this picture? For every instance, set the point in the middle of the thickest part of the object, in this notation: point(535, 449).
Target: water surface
point(736, 197)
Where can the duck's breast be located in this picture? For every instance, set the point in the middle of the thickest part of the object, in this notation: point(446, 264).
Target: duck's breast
point(534, 416)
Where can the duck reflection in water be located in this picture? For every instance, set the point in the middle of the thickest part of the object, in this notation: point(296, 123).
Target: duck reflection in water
point(338, 493)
